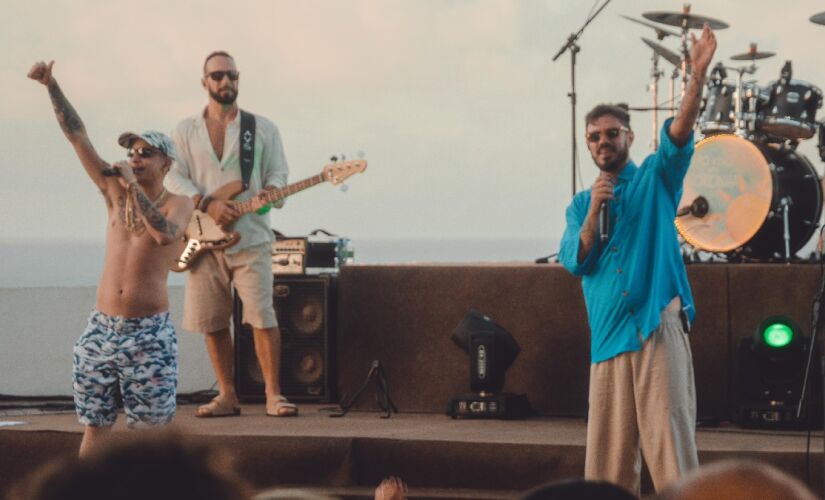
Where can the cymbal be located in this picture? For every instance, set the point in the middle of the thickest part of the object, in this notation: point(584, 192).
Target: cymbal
point(660, 32)
point(672, 57)
point(749, 56)
point(818, 18)
point(690, 20)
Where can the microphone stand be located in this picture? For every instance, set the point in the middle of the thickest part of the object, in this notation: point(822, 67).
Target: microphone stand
point(816, 319)
point(570, 45)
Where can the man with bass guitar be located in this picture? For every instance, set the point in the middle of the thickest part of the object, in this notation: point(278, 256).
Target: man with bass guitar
point(210, 146)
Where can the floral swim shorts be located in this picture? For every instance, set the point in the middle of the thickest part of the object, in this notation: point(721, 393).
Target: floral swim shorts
point(138, 355)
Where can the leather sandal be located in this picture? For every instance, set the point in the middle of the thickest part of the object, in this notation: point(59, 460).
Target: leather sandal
point(217, 408)
point(283, 408)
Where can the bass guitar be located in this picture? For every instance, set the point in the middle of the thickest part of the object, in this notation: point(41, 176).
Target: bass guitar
point(203, 234)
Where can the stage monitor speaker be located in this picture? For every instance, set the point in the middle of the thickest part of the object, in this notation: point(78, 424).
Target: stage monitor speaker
point(305, 307)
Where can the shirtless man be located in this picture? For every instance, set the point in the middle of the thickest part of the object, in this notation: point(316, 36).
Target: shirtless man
point(130, 340)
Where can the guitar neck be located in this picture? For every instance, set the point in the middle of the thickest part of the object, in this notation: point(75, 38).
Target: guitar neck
point(250, 205)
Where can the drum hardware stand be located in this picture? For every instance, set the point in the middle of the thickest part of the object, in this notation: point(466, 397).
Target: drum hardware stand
point(785, 204)
point(685, 51)
point(672, 92)
point(743, 122)
point(570, 45)
point(655, 74)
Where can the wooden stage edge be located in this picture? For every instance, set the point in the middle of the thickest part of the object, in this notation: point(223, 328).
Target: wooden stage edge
point(439, 457)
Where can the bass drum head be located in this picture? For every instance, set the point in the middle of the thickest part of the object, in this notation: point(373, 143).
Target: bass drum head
point(746, 186)
point(732, 174)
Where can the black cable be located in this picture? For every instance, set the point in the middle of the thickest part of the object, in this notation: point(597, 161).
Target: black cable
point(546, 260)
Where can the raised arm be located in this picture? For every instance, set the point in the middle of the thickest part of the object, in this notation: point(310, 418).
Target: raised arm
point(701, 53)
point(71, 124)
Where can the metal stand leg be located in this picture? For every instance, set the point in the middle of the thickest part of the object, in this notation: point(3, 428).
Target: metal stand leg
point(376, 375)
point(786, 206)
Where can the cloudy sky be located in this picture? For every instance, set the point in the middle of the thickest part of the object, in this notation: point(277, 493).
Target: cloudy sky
point(461, 113)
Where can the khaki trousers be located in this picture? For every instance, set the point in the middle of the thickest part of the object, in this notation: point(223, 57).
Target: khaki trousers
point(644, 400)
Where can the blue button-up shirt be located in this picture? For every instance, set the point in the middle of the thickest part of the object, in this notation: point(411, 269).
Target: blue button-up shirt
point(631, 278)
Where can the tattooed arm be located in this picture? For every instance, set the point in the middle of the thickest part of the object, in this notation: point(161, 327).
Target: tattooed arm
point(164, 229)
point(72, 125)
point(701, 54)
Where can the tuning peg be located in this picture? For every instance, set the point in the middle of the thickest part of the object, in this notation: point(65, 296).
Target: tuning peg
point(343, 157)
point(360, 154)
point(344, 188)
point(333, 158)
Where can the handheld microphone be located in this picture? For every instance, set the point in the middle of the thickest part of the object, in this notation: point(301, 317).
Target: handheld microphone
point(604, 221)
point(111, 172)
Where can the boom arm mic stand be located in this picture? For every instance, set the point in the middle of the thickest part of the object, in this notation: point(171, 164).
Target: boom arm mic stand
point(570, 45)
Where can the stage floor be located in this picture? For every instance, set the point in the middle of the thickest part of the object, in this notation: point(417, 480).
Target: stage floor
point(439, 457)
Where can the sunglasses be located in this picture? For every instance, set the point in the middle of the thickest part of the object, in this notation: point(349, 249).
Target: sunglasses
point(610, 133)
point(217, 76)
point(142, 152)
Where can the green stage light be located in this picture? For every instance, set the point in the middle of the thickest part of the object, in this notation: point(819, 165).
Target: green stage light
point(777, 334)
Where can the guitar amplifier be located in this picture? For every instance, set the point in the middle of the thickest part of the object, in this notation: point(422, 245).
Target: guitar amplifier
point(288, 256)
point(310, 255)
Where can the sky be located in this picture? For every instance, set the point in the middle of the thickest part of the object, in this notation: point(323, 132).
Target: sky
point(457, 105)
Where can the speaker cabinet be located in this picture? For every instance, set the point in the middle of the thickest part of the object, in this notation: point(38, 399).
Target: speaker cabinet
point(305, 307)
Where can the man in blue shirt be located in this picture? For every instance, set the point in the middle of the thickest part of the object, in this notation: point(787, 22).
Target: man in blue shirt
point(642, 395)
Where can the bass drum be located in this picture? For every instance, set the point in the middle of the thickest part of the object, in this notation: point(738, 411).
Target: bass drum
point(745, 186)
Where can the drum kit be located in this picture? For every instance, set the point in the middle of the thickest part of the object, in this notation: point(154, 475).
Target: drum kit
point(748, 195)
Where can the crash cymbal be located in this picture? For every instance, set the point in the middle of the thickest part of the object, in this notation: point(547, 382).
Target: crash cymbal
point(672, 57)
point(752, 54)
point(818, 18)
point(661, 33)
point(680, 19)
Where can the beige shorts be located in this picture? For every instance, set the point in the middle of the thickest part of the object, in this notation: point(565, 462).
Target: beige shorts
point(208, 303)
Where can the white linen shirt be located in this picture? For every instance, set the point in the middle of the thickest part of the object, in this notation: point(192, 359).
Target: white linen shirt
point(197, 169)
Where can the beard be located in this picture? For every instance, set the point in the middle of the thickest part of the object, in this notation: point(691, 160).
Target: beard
point(620, 158)
point(228, 96)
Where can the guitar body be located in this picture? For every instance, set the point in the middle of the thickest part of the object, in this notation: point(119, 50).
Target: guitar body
point(203, 234)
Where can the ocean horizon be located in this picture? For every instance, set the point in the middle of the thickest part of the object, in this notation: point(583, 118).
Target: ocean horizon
point(69, 264)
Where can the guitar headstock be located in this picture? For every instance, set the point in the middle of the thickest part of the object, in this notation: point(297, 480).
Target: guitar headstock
point(339, 171)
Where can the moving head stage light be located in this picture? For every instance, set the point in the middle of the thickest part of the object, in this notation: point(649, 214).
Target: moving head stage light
point(770, 376)
point(491, 350)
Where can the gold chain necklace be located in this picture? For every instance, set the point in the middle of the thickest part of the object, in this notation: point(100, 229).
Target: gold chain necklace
point(131, 217)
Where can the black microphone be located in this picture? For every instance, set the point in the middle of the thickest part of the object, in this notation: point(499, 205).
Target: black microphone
point(111, 172)
point(699, 208)
point(604, 221)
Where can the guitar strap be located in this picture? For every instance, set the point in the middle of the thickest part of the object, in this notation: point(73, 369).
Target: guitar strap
point(247, 147)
